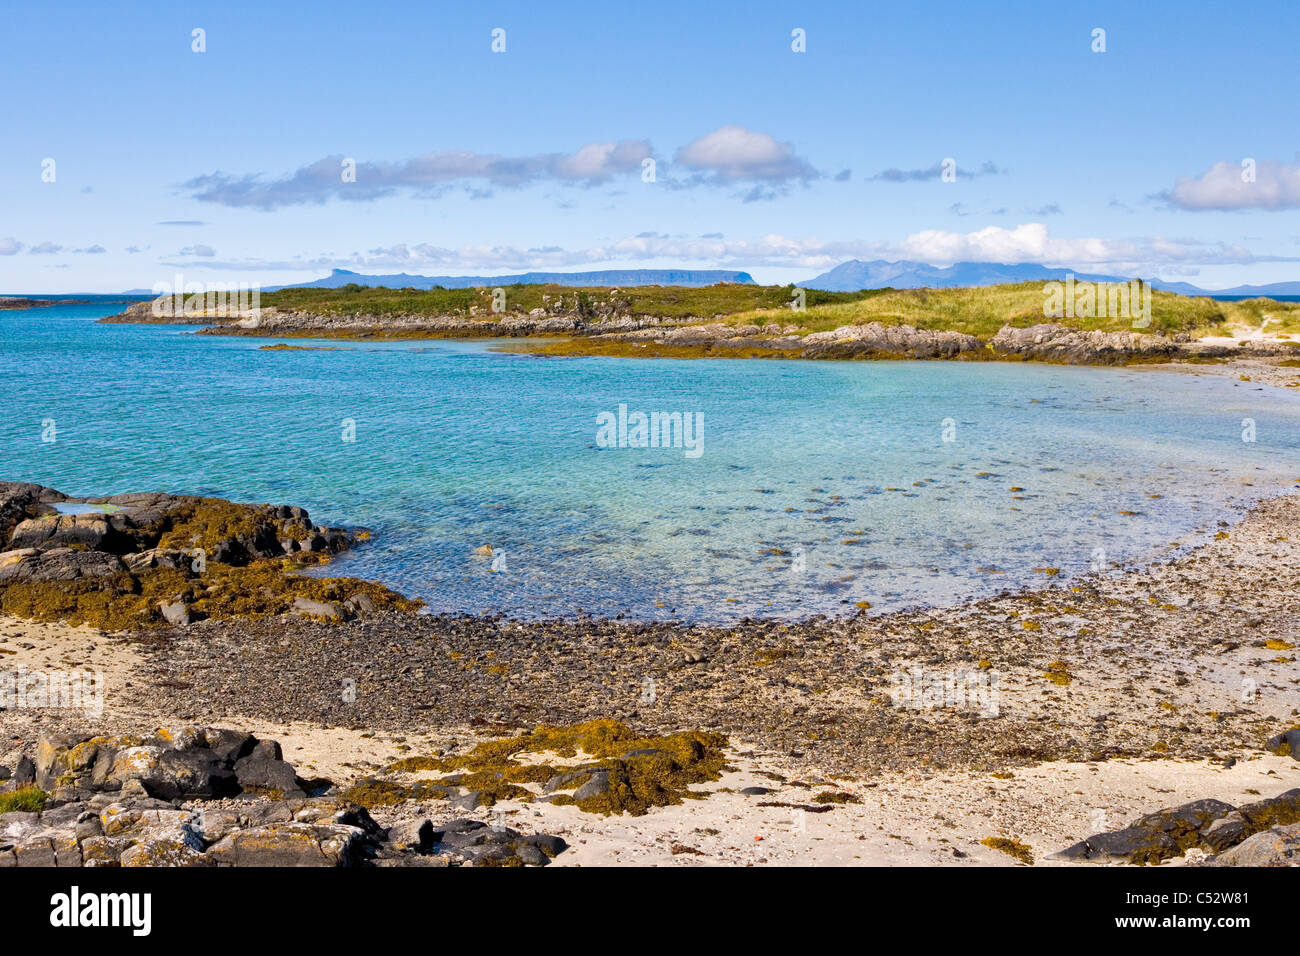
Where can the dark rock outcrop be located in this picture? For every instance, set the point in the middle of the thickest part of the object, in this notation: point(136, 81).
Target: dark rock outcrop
point(1211, 826)
point(216, 797)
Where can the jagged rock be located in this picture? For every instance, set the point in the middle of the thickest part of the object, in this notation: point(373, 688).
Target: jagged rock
point(17, 825)
point(1151, 838)
point(894, 340)
point(36, 851)
point(230, 745)
point(1211, 824)
point(1048, 342)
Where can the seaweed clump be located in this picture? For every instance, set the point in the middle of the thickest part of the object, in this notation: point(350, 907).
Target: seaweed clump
point(129, 600)
point(1013, 848)
point(619, 771)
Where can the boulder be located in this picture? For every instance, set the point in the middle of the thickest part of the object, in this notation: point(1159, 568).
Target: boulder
point(290, 844)
point(1278, 846)
point(411, 835)
point(56, 564)
point(596, 786)
point(1285, 744)
point(262, 772)
point(93, 531)
point(165, 852)
point(1273, 811)
point(1226, 831)
point(322, 609)
point(22, 500)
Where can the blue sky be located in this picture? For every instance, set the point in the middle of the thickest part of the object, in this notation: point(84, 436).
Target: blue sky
point(227, 164)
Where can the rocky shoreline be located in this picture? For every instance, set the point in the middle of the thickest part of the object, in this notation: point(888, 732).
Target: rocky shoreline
point(158, 559)
point(216, 797)
point(567, 332)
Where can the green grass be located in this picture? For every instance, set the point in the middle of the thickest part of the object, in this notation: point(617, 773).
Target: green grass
point(25, 799)
point(670, 302)
point(982, 310)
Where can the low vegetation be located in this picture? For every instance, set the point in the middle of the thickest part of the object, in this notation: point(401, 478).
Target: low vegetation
point(978, 311)
point(24, 799)
point(669, 302)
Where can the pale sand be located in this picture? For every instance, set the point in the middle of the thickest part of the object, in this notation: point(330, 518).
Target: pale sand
point(903, 820)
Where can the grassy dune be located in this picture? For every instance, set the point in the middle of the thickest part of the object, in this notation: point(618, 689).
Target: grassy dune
point(981, 311)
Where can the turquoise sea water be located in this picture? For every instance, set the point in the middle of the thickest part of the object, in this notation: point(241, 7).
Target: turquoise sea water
point(819, 485)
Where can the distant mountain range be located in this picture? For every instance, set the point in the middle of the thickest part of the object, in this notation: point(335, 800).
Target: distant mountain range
point(907, 274)
point(606, 278)
point(846, 277)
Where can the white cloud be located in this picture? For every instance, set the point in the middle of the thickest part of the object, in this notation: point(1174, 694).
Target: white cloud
point(1029, 242)
point(1032, 242)
point(736, 154)
point(10, 246)
point(45, 249)
point(1222, 187)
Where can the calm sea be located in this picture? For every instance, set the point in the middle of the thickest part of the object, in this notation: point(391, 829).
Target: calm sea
point(818, 484)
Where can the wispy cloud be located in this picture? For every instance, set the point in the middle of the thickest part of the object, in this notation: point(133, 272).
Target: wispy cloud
point(591, 165)
point(182, 222)
point(10, 247)
point(45, 249)
point(1227, 186)
point(730, 156)
point(895, 175)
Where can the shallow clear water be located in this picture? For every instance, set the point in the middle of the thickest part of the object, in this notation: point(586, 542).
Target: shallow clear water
point(819, 485)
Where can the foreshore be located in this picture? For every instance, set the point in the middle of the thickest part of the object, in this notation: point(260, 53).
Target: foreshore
point(1112, 695)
